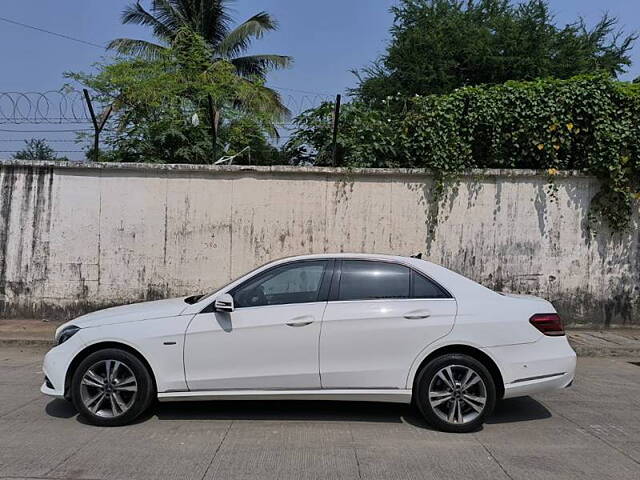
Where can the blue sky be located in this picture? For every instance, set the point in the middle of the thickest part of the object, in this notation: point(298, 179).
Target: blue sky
point(327, 38)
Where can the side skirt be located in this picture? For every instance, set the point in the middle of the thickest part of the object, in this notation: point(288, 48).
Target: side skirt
point(349, 395)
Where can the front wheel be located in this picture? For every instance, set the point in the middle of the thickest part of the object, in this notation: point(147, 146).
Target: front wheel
point(111, 387)
point(455, 393)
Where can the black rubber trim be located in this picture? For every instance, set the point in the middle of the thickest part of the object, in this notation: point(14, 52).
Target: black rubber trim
point(327, 278)
point(335, 282)
point(539, 377)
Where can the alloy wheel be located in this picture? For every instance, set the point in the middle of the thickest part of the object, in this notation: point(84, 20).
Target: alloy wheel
point(457, 394)
point(108, 388)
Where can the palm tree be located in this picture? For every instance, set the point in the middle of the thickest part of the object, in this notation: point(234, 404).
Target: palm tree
point(211, 20)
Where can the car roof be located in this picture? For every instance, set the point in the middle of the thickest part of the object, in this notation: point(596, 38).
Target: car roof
point(359, 256)
point(346, 255)
point(454, 282)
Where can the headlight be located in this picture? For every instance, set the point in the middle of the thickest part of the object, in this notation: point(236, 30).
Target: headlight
point(66, 334)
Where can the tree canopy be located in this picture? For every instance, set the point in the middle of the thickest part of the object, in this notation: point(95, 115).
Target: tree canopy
point(37, 149)
point(440, 45)
point(161, 106)
point(210, 20)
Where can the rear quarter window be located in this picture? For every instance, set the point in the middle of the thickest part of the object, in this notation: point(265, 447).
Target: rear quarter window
point(423, 287)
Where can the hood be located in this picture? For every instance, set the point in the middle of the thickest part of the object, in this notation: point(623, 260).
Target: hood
point(130, 313)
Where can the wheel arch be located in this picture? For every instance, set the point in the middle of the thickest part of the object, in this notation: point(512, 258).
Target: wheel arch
point(88, 350)
point(473, 352)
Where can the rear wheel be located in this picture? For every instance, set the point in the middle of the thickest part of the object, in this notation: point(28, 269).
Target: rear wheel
point(111, 387)
point(455, 393)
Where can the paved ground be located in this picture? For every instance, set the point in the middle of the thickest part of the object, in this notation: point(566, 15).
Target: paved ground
point(591, 431)
point(612, 342)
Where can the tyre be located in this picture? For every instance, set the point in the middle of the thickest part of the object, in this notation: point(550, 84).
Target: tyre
point(111, 387)
point(455, 393)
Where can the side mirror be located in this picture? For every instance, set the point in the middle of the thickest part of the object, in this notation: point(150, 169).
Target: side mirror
point(224, 303)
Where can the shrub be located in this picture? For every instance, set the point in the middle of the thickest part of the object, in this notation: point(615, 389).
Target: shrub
point(589, 123)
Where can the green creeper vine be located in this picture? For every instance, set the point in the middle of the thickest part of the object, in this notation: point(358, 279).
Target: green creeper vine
point(552, 187)
point(588, 123)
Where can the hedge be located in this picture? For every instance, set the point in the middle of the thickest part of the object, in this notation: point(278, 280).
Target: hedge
point(586, 123)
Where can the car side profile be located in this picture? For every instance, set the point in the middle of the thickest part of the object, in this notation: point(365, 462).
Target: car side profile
point(337, 327)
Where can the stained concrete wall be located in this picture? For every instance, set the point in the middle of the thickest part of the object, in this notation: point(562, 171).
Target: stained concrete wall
point(78, 237)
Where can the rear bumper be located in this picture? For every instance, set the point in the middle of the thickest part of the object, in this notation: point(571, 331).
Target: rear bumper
point(531, 387)
point(542, 366)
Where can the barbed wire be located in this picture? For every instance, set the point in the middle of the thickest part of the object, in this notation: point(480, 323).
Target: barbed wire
point(69, 107)
point(54, 140)
point(73, 130)
point(62, 118)
point(43, 107)
point(57, 151)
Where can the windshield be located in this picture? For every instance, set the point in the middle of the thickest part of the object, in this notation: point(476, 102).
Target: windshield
point(198, 298)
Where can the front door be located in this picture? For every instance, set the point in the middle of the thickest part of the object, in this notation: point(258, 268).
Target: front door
point(380, 317)
point(270, 341)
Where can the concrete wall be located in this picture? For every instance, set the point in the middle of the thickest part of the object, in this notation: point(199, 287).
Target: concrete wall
point(76, 238)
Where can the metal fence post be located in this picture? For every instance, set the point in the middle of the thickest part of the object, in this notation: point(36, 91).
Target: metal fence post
point(214, 119)
point(98, 124)
point(336, 124)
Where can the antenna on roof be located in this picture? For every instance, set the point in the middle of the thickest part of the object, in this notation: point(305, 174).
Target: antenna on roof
point(417, 255)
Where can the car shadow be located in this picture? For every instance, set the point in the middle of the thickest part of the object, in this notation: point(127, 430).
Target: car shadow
point(279, 410)
point(59, 408)
point(521, 409)
point(506, 411)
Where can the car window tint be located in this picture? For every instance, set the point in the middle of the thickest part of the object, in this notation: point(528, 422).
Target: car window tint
point(295, 283)
point(366, 280)
point(425, 288)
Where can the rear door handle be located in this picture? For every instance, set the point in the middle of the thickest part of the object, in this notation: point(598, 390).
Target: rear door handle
point(302, 321)
point(417, 315)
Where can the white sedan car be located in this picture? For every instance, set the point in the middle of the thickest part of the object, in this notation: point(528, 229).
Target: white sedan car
point(337, 327)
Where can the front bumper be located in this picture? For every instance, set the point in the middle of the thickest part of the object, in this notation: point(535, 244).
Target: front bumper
point(56, 363)
point(542, 366)
point(51, 391)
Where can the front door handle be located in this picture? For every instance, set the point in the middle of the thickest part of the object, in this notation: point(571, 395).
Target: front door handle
point(299, 324)
point(417, 315)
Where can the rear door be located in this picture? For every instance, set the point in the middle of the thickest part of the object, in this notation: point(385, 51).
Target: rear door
point(380, 315)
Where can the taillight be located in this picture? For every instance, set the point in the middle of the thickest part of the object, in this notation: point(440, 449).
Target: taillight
point(548, 323)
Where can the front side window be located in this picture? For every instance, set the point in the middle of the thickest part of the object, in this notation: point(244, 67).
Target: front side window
point(293, 283)
point(367, 280)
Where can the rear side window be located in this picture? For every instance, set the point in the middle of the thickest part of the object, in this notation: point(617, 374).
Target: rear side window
point(422, 287)
point(366, 280)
